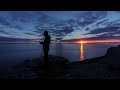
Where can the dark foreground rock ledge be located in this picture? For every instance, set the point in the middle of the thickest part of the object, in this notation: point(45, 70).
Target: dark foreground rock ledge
point(104, 67)
point(34, 69)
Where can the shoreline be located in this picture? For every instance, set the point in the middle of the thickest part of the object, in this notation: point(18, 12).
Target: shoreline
point(33, 69)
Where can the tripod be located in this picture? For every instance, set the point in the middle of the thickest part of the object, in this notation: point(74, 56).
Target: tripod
point(41, 53)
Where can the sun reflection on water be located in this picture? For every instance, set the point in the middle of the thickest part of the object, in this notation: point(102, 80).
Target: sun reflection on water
point(81, 52)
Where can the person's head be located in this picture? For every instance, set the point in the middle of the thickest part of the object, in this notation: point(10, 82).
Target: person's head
point(45, 33)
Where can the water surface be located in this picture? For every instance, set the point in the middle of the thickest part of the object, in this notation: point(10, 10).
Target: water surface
point(11, 54)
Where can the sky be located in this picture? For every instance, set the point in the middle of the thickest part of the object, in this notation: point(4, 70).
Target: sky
point(61, 25)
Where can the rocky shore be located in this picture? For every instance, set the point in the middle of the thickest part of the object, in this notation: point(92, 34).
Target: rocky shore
point(104, 67)
point(34, 69)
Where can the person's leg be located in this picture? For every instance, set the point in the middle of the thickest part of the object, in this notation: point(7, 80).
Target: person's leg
point(45, 57)
point(46, 63)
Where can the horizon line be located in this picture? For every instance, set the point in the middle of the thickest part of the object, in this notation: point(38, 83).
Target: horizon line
point(73, 42)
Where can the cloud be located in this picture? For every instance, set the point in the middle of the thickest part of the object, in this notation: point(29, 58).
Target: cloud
point(110, 29)
point(101, 22)
point(3, 21)
point(24, 20)
point(92, 22)
point(89, 17)
point(7, 33)
point(58, 32)
point(106, 36)
point(99, 37)
point(63, 32)
point(9, 39)
point(18, 27)
point(8, 24)
point(87, 29)
point(29, 33)
point(58, 39)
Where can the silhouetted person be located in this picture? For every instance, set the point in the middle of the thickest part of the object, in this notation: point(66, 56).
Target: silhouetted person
point(46, 44)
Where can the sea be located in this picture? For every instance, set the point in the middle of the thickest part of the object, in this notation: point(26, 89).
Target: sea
point(11, 54)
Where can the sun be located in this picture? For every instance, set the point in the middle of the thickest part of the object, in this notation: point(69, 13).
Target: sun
point(83, 42)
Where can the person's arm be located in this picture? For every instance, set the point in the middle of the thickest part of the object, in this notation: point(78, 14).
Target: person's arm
point(46, 40)
point(41, 42)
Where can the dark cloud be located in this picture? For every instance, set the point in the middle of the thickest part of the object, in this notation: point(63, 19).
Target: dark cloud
point(58, 39)
point(114, 23)
point(3, 21)
point(106, 36)
point(87, 29)
point(18, 27)
point(101, 22)
point(59, 25)
point(41, 31)
point(60, 28)
point(9, 39)
point(63, 32)
point(68, 29)
point(104, 30)
point(90, 17)
point(22, 16)
point(30, 33)
point(58, 32)
point(7, 23)
point(7, 33)
point(71, 21)
point(85, 23)
point(35, 34)
point(24, 20)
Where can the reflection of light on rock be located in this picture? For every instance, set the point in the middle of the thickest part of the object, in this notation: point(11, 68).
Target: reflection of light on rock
point(81, 52)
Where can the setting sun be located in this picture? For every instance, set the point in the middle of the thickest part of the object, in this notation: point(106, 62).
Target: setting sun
point(97, 41)
point(81, 42)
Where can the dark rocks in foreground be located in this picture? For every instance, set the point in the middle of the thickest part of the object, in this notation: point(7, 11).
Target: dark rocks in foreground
point(105, 67)
point(34, 69)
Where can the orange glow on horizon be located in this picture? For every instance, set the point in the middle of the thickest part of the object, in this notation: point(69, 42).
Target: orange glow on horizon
point(82, 42)
point(75, 42)
point(97, 41)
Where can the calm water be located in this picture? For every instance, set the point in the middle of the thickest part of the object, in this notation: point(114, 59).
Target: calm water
point(11, 54)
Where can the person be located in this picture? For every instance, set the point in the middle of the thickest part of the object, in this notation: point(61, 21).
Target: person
point(46, 44)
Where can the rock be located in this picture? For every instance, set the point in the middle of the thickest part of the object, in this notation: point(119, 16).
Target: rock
point(113, 52)
point(34, 69)
point(26, 61)
point(119, 46)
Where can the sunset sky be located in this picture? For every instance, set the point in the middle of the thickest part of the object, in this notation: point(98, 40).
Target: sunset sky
point(62, 25)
